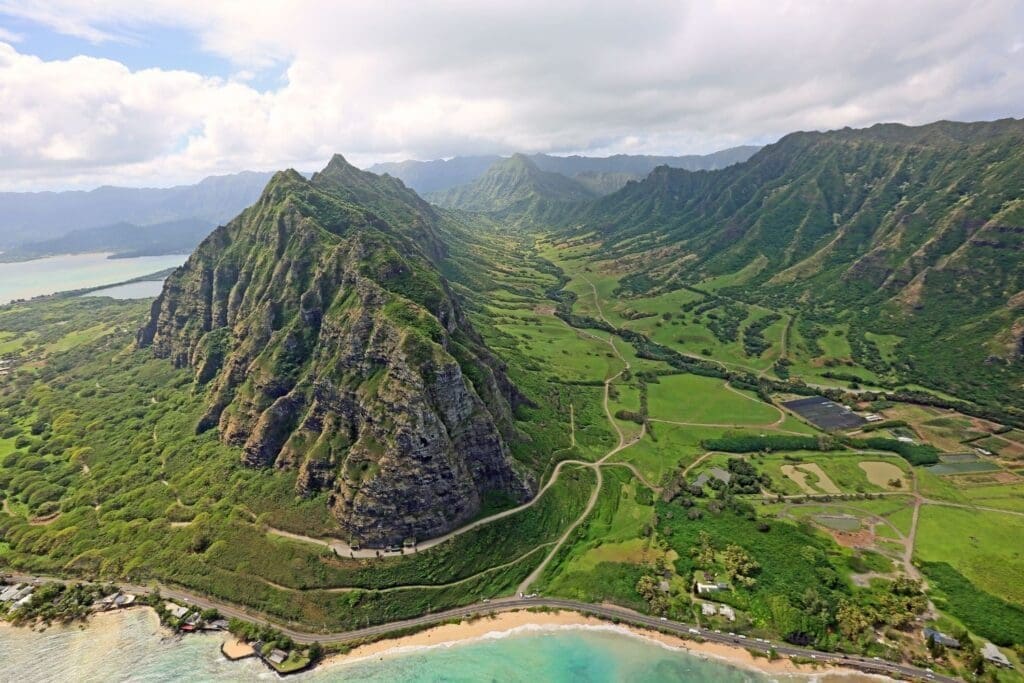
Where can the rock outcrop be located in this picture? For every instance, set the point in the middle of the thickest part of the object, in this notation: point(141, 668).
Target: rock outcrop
point(325, 340)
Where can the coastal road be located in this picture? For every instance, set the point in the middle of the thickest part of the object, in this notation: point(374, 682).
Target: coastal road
point(482, 609)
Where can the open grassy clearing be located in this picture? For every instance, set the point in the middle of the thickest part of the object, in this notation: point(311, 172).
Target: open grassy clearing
point(886, 344)
point(692, 398)
point(11, 342)
point(625, 397)
point(983, 546)
point(609, 550)
point(561, 351)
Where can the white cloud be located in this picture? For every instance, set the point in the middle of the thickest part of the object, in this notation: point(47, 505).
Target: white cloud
point(394, 80)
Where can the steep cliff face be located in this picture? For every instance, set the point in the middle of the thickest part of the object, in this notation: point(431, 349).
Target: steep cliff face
point(326, 341)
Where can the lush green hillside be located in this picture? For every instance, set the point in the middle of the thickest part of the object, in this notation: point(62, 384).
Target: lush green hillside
point(910, 232)
point(515, 187)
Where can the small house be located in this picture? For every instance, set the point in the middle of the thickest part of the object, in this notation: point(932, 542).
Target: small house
point(277, 656)
point(993, 654)
point(727, 612)
point(707, 609)
point(218, 625)
point(703, 588)
point(940, 638)
point(176, 611)
point(124, 600)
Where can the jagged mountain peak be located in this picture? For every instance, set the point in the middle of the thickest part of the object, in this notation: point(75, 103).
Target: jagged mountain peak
point(325, 340)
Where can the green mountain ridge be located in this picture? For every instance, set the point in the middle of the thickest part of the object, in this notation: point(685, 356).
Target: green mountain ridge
point(324, 340)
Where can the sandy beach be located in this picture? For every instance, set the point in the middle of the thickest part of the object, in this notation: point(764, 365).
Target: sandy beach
point(233, 648)
point(505, 623)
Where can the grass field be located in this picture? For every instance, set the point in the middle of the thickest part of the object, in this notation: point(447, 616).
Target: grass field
point(987, 548)
point(672, 446)
point(609, 550)
point(692, 398)
point(1007, 497)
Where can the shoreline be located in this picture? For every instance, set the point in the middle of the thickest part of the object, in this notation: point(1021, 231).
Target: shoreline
point(509, 624)
point(506, 624)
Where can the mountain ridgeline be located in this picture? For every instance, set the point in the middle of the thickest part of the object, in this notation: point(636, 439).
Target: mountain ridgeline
point(515, 187)
point(916, 232)
point(326, 341)
point(602, 174)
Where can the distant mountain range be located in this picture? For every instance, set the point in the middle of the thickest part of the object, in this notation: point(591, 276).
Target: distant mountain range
point(444, 174)
point(148, 221)
point(29, 220)
point(122, 239)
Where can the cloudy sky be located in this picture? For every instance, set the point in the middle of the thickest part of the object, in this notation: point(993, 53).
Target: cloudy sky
point(168, 91)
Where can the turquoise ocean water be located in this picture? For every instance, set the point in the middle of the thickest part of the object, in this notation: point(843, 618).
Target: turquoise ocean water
point(131, 646)
point(61, 273)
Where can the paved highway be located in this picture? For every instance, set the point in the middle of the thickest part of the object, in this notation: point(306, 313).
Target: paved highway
point(609, 612)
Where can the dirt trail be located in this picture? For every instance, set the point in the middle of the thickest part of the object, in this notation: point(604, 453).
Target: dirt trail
point(622, 445)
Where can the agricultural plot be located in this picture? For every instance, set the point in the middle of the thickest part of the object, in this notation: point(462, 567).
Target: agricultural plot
point(832, 473)
point(847, 523)
point(970, 467)
point(706, 400)
point(883, 474)
point(810, 478)
point(858, 524)
point(945, 429)
point(825, 414)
